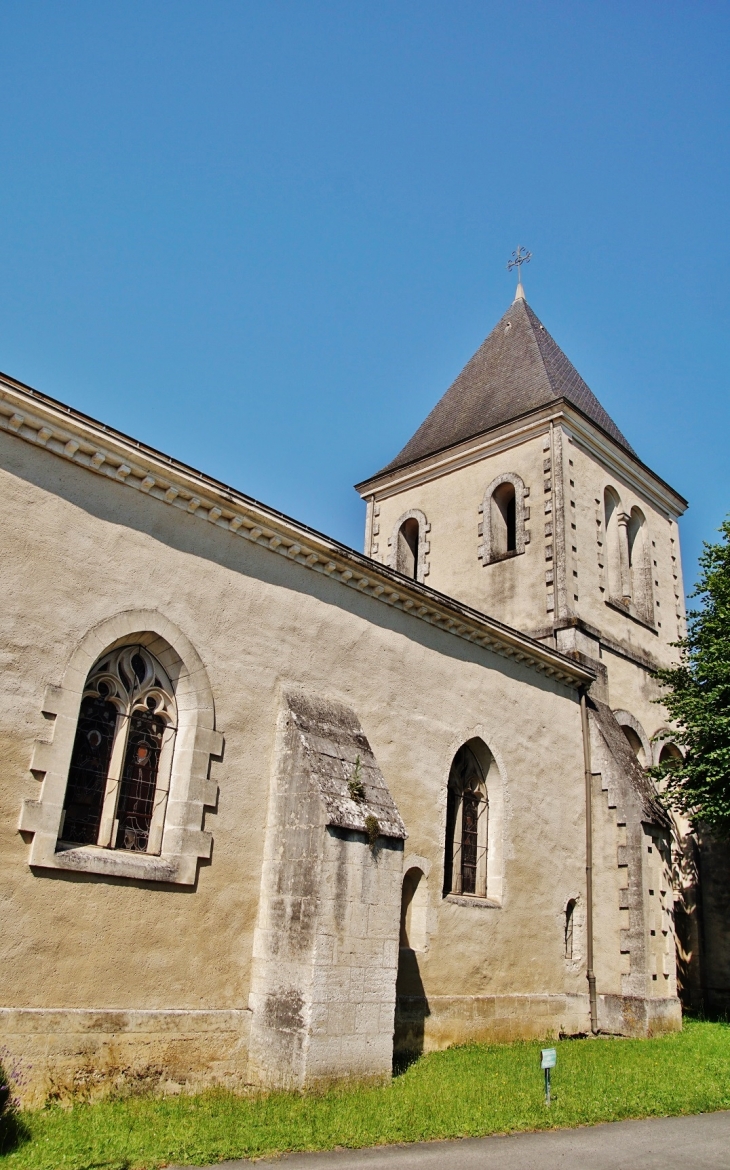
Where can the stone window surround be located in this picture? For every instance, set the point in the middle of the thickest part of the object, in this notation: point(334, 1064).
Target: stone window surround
point(423, 567)
point(623, 601)
point(191, 790)
point(662, 736)
point(496, 783)
point(522, 513)
point(626, 719)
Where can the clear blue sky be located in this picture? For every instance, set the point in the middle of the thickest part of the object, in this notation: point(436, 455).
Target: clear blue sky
point(265, 237)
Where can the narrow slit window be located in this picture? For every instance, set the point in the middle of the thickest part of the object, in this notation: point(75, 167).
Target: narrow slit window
point(569, 928)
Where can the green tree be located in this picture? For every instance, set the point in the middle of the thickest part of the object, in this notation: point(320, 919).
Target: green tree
point(698, 700)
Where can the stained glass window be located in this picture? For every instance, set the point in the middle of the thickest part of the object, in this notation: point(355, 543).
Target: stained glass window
point(469, 839)
point(122, 751)
point(88, 772)
point(139, 780)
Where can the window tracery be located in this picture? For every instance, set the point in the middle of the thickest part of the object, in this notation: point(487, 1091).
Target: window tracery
point(120, 764)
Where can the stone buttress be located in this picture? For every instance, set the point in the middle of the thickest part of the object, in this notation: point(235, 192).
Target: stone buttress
point(326, 943)
point(648, 1000)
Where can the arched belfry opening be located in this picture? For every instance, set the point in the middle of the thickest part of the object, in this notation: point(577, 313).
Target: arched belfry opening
point(408, 545)
point(670, 755)
point(611, 508)
point(635, 744)
point(642, 594)
point(503, 513)
point(504, 520)
point(407, 550)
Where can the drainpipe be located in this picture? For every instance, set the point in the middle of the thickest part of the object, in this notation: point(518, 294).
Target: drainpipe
point(593, 1000)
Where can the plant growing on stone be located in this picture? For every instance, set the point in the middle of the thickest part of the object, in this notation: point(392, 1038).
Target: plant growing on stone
point(355, 784)
point(13, 1077)
point(372, 828)
point(698, 700)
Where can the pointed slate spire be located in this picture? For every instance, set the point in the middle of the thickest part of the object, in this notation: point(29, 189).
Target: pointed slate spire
point(519, 368)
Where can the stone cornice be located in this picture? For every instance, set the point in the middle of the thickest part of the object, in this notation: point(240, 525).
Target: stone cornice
point(102, 451)
point(585, 432)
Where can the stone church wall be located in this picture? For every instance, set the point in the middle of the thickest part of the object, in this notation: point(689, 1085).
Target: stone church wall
point(151, 979)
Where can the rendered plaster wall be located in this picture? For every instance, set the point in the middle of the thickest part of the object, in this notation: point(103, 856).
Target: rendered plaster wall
point(64, 1054)
point(77, 550)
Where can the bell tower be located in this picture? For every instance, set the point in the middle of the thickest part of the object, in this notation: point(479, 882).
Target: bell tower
point(519, 496)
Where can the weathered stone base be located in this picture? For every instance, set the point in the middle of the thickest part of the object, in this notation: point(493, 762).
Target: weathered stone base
point(428, 1025)
point(69, 1053)
point(633, 1015)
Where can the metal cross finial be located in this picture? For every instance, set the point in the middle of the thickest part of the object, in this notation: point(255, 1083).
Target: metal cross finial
point(519, 257)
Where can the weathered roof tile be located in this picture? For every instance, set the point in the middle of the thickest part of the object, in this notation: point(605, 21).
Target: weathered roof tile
point(517, 369)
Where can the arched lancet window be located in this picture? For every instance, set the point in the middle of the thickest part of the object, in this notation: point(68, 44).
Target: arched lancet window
point(636, 737)
point(409, 546)
point(635, 744)
point(503, 513)
point(611, 508)
point(122, 755)
point(639, 558)
point(671, 755)
point(504, 520)
point(467, 822)
point(407, 552)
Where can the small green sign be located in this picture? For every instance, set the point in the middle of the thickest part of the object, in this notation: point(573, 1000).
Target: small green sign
point(549, 1058)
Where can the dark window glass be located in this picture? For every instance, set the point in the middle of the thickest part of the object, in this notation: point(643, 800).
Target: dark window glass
point(451, 804)
point(504, 520)
point(469, 830)
point(569, 929)
point(139, 777)
point(407, 551)
point(88, 772)
point(511, 518)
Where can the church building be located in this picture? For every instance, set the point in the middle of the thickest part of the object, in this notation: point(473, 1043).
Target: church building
point(273, 810)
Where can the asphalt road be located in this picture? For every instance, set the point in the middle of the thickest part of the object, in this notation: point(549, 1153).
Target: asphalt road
point(700, 1142)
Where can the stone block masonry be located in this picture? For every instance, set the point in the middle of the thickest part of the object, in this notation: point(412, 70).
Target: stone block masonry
point(326, 943)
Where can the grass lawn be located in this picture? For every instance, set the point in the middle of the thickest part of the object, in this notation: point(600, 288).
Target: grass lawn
point(464, 1092)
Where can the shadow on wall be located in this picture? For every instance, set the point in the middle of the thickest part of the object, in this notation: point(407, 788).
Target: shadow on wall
point(411, 1002)
point(411, 1011)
